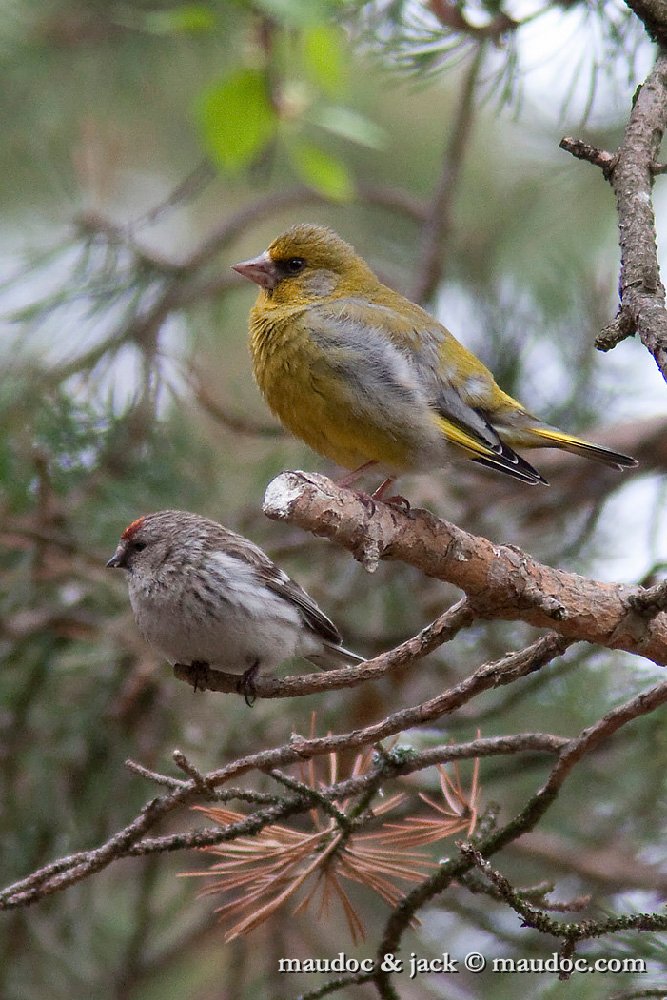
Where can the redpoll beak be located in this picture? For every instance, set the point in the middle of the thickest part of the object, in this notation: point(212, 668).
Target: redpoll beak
point(117, 560)
point(262, 270)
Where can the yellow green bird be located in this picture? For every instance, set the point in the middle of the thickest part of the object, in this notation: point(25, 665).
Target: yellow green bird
point(364, 376)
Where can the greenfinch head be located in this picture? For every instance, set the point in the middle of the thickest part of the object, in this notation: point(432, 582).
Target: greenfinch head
point(306, 264)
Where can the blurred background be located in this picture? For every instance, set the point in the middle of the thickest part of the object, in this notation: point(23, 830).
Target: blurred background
point(146, 147)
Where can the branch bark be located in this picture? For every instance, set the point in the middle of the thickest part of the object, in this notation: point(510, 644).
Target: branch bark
point(500, 581)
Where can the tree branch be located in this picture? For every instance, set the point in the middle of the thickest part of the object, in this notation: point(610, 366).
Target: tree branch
point(442, 630)
point(59, 875)
point(539, 919)
point(588, 740)
point(631, 172)
point(500, 581)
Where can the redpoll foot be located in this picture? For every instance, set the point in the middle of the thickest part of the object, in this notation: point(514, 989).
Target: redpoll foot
point(246, 685)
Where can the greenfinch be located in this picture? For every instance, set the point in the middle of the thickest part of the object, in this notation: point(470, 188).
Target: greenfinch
point(365, 377)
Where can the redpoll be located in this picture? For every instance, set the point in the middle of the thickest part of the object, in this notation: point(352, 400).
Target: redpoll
point(207, 597)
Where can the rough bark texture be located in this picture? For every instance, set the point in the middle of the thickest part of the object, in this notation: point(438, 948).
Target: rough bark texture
point(501, 581)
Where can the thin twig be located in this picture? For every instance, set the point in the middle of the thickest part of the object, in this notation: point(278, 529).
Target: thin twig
point(540, 920)
point(437, 228)
point(442, 630)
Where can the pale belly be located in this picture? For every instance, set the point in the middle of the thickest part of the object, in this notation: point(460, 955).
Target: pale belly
point(232, 637)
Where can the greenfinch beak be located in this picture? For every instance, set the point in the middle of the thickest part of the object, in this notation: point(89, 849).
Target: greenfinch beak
point(262, 270)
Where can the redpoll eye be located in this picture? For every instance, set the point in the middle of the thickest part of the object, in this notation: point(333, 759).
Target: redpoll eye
point(139, 546)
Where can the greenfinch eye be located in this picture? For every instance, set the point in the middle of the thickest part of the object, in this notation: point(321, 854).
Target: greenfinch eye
point(294, 265)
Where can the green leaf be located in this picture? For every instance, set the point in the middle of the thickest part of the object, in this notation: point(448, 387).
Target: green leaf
point(191, 18)
point(323, 172)
point(351, 125)
point(237, 118)
point(324, 57)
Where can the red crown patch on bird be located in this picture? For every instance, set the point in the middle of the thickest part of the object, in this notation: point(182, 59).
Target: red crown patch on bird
point(132, 528)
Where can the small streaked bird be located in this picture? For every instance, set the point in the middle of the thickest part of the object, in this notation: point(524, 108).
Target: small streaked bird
point(205, 596)
point(366, 377)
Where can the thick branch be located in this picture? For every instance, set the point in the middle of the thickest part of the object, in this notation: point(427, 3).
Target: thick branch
point(500, 581)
